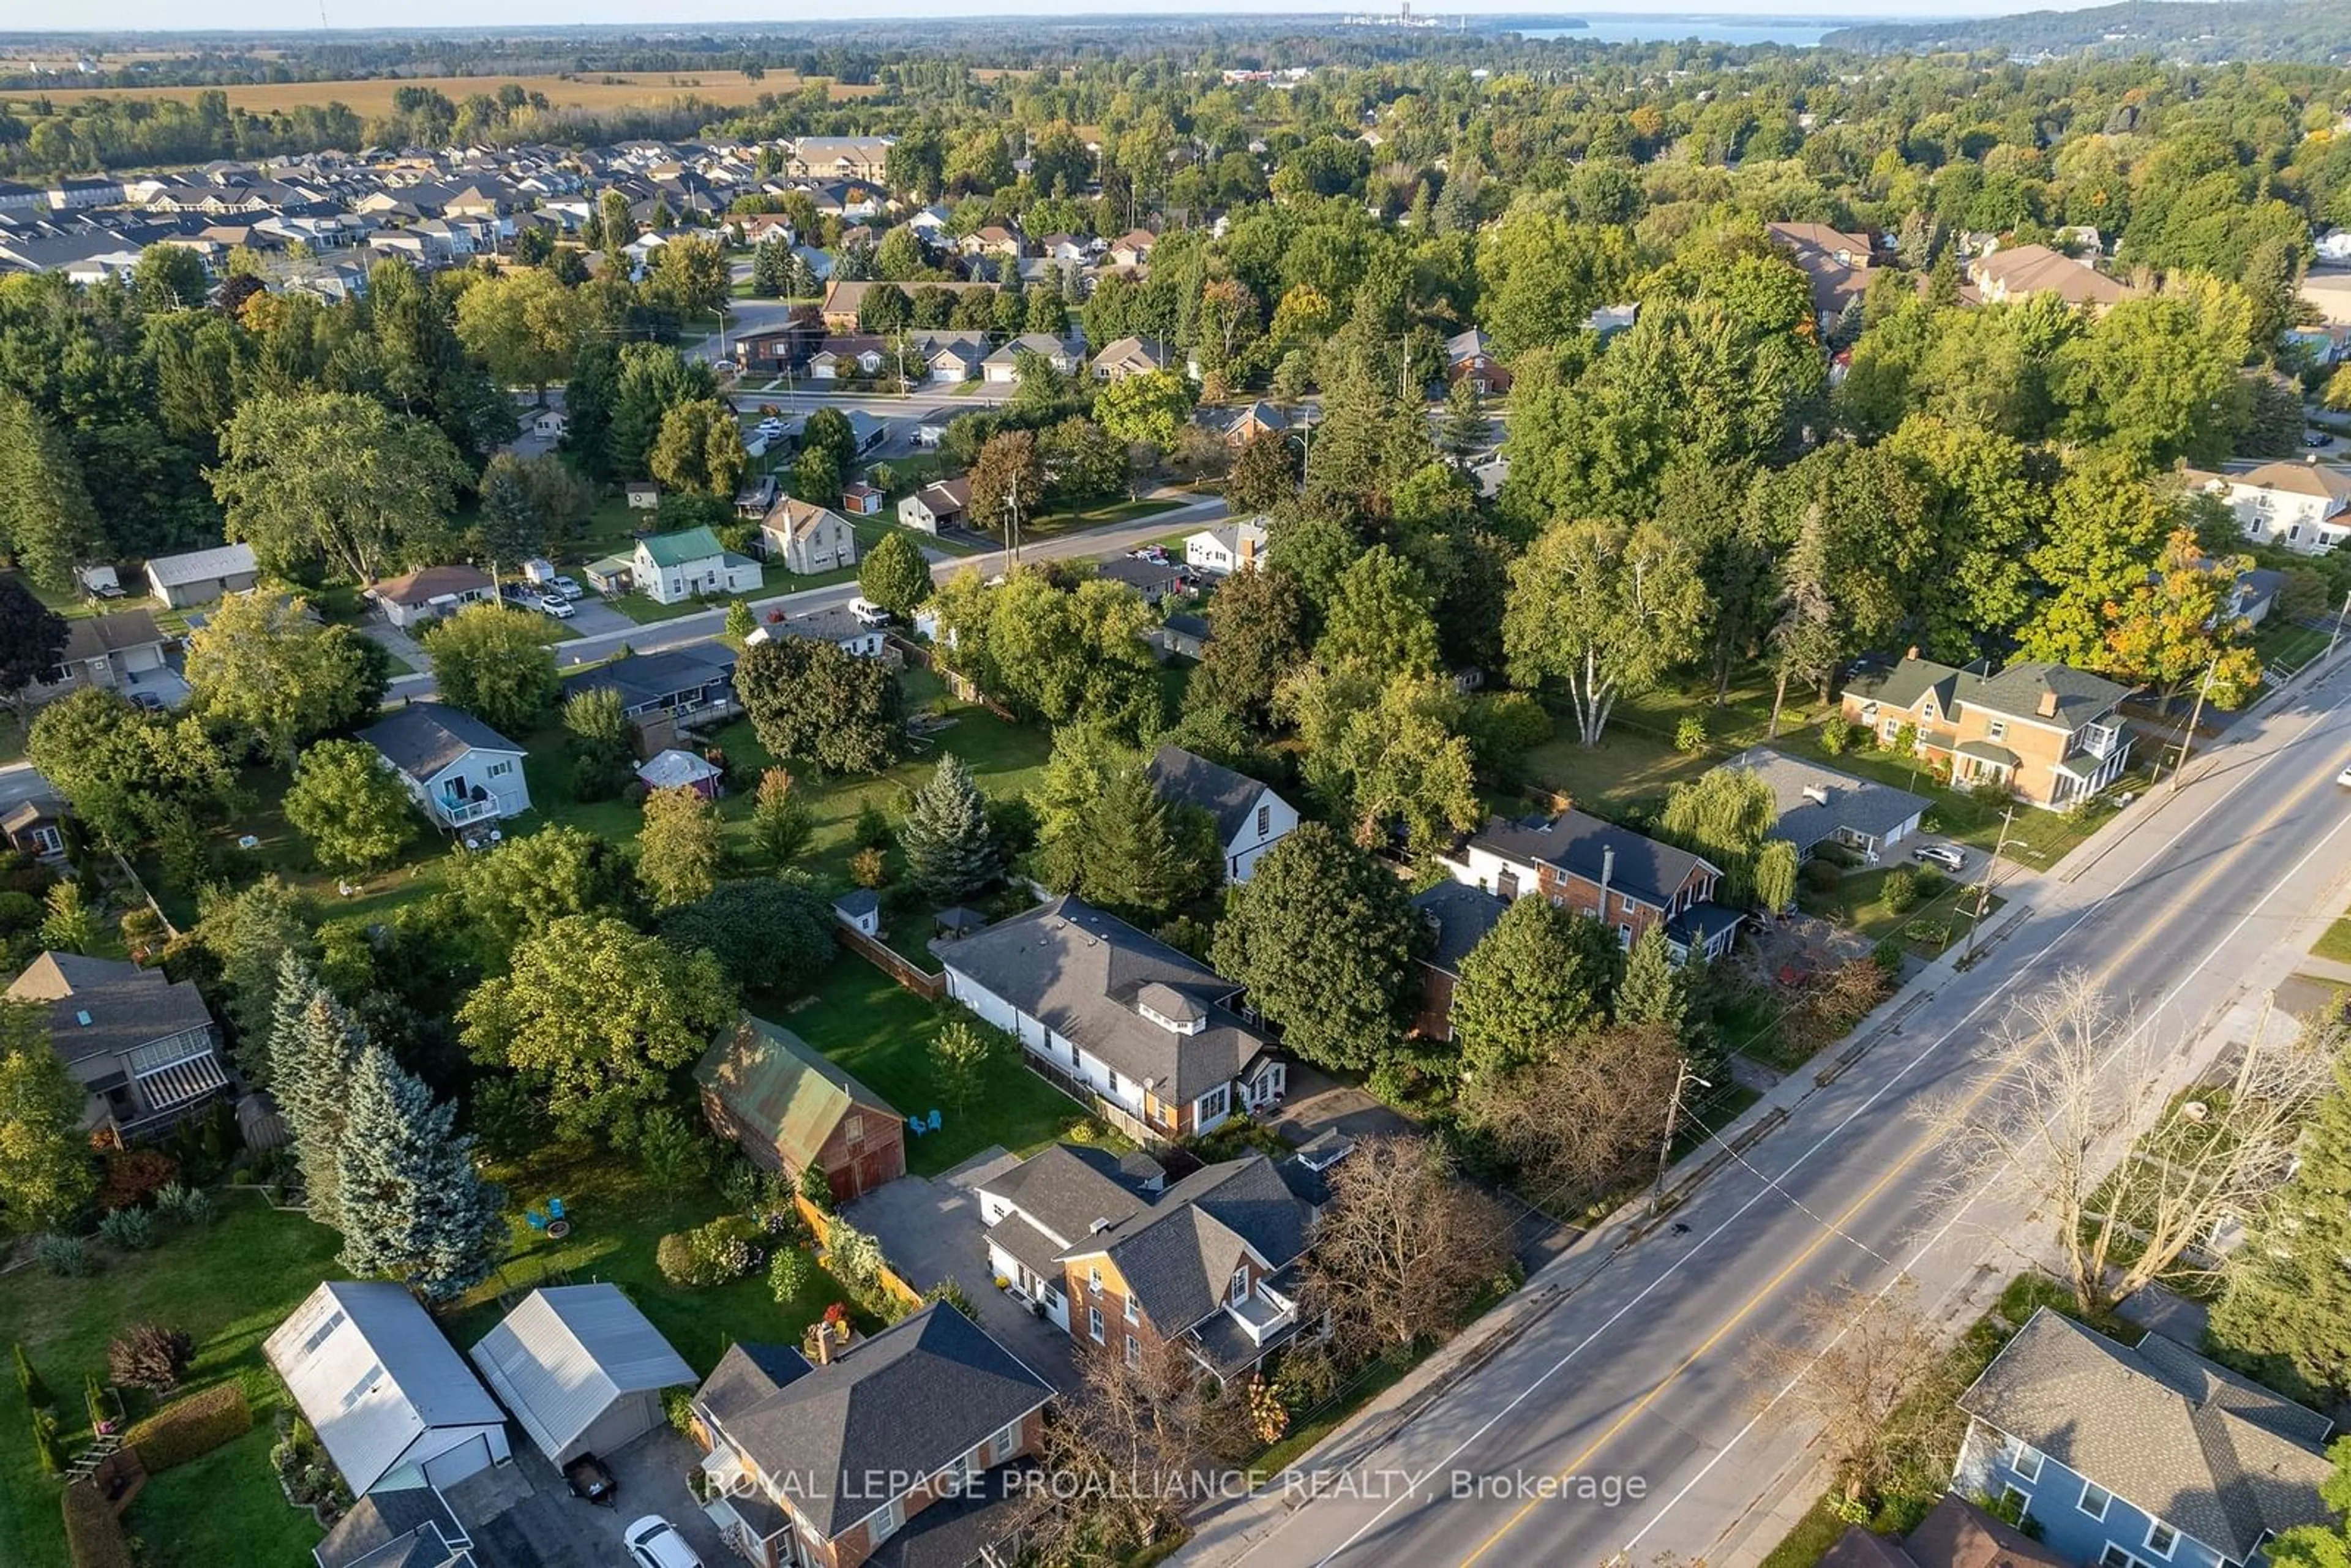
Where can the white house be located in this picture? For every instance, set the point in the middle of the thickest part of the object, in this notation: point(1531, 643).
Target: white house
point(394, 1403)
point(832, 625)
point(582, 1368)
point(943, 505)
point(670, 568)
point(1002, 368)
point(2305, 507)
point(1250, 818)
point(199, 577)
point(2333, 247)
point(1224, 549)
point(460, 769)
point(429, 594)
point(1155, 1034)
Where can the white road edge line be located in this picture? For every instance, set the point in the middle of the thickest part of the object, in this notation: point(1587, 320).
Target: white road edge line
point(1411, 1493)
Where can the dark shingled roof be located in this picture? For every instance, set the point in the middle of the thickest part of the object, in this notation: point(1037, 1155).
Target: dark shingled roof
point(953, 1531)
point(1068, 1186)
point(914, 1398)
point(1080, 971)
point(2179, 1438)
point(128, 1007)
point(1177, 1256)
point(1462, 915)
point(642, 678)
point(2014, 693)
point(410, 1528)
point(422, 739)
point(1857, 805)
point(1578, 844)
point(1187, 779)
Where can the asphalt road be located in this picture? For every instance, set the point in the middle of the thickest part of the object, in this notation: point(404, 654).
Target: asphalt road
point(1625, 1418)
point(704, 625)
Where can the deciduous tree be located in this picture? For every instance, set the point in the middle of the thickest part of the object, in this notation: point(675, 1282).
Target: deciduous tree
point(46, 1171)
point(771, 933)
point(1404, 1245)
point(808, 699)
point(699, 448)
point(271, 673)
point(894, 575)
point(1604, 609)
point(1849, 1374)
point(1583, 1119)
point(489, 661)
point(1543, 975)
point(334, 479)
point(681, 849)
point(348, 807)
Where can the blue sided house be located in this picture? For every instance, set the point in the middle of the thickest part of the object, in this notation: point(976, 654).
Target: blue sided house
point(2138, 1457)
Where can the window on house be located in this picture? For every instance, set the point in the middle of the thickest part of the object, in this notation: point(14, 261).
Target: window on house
point(889, 1521)
point(1095, 1324)
point(500, 769)
point(2022, 1457)
point(2017, 1499)
point(853, 1129)
point(1003, 1444)
point(1094, 1277)
point(2116, 1557)
point(1624, 935)
point(1216, 1103)
point(2096, 1499)
point(1240, 1286)
point(1133, 1313)
point(1134, 1351)
point(2161, 1537)
point(1264, 820)
point(1998, 730)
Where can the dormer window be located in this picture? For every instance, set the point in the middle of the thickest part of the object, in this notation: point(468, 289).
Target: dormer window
point(1171, 1009)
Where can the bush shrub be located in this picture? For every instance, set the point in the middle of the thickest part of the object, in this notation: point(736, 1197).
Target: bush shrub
point(1931, 882)
point(128, 1229)
point(1937, 933)
point(94, 1536)
point(670, 1148)
point(707, 1255)
point(1689, 734)
point(1887, 957)
point(67, 1257)
point(189, 1206)
point(134, 1175)
point(817, 1187)
point(1836, 735)
point(1899, 892)
point(192, 1427)
point(47, 1450)
point(788, 1273)
point(150, 1356)
point(1822, 875)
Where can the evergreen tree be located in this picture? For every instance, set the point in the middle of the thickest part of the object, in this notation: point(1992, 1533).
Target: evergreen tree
point(1137, 862)
point(1467, 431)
point(771, 269)
point(414, 1208)
point(1543, 975)
point(949, 850)
point(2286, 1316)
point(1653, 990)
point(312, 1043)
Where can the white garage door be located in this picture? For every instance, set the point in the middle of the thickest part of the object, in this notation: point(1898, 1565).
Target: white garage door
point(444, 1470)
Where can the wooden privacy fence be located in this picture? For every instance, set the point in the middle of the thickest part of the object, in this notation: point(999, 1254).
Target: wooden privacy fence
point(895, 965)
point(820, 1224)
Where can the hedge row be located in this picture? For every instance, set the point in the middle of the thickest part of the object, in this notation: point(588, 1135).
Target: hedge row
point(93, 1535)
point(189, 1428)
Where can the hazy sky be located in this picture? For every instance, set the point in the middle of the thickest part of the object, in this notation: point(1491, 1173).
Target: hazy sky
point(684, 14)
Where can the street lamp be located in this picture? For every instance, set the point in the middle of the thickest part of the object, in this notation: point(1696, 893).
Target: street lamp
point(1683, 1079)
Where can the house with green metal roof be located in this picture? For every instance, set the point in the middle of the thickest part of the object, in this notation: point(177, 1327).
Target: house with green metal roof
point(789, 1108)
point(670, 568)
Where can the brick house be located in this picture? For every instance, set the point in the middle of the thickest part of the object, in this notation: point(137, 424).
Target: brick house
point(924, 1430)
point(1612, 873)
point(777, 1098)
point(2049, 734)
point(1119, 1263)
point(1457, 917)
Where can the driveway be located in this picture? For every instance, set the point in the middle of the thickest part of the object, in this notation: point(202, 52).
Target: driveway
point(526, 1517)
point(594, 618)
point(929, 1229)
point(1317, 1104)
point(396, 642)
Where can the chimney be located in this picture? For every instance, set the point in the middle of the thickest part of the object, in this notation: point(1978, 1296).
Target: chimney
point(823, 1343)
point(2048, 705)
point(1913, 653)
point(1607, 875)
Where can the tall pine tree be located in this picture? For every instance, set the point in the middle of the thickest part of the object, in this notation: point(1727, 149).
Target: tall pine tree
point(2286, 1316)
point(312, 1043)
point(413, 1208)
point(1138, 861)
point(949, 850)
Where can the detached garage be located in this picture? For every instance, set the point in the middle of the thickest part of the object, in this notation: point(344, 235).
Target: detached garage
point(581, 1368)
point(391, 1400)
point(789, 1108)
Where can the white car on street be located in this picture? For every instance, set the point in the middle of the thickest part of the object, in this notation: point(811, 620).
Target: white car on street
point(555, 604)
point(1949, 856)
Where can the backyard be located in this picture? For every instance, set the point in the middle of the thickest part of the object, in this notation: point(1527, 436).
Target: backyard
point(864, 1021)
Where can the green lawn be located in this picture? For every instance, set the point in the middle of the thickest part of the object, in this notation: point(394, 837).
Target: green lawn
point(227, 1285)
point(2335, 942)
point(618, 1213)
point(1857, 903)
point(882, 1033)
point(2288, 646)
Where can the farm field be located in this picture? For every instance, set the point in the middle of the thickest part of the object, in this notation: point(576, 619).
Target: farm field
point(373, 95)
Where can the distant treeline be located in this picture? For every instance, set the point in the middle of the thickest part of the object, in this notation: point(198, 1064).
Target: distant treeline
point(2314, 31)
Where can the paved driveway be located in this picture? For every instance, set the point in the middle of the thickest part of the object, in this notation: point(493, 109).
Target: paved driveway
point(593, 618)
point(528, 1518)
point(929, 1229)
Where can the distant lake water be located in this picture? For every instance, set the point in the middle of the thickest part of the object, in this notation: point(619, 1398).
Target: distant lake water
point(1675, 29)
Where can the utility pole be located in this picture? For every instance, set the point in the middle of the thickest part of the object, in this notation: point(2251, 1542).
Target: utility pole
point(2340, 616)
point(1983, 887)
point(2195, 716)
point(1682, 1081)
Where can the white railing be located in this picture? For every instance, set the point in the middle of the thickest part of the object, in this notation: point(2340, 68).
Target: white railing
point(457, 814)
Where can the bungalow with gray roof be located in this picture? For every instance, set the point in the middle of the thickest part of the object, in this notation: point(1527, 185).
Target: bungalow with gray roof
point(199, 577)
point(460, 771)
point(1819, 805)
point(141, 1045)
point(1150, 1032)
point(2139, 1457)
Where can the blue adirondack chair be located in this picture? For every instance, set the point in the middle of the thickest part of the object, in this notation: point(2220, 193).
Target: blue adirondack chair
point(934, 1119)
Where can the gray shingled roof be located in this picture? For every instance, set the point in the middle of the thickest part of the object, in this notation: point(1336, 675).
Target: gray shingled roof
point(642, 678)
point(1187, 778)
point(1462, 915)
point(1578, 842)
point(1901, 684)
point(1180, 1255)
point(2207, 1452)
point(1857, 805)
point(1080, 971)
point(912, 1399)
point(2016, 692)
point(1068, 1186)
point(422, 739)
point(202, 565)
point(128, 1007)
